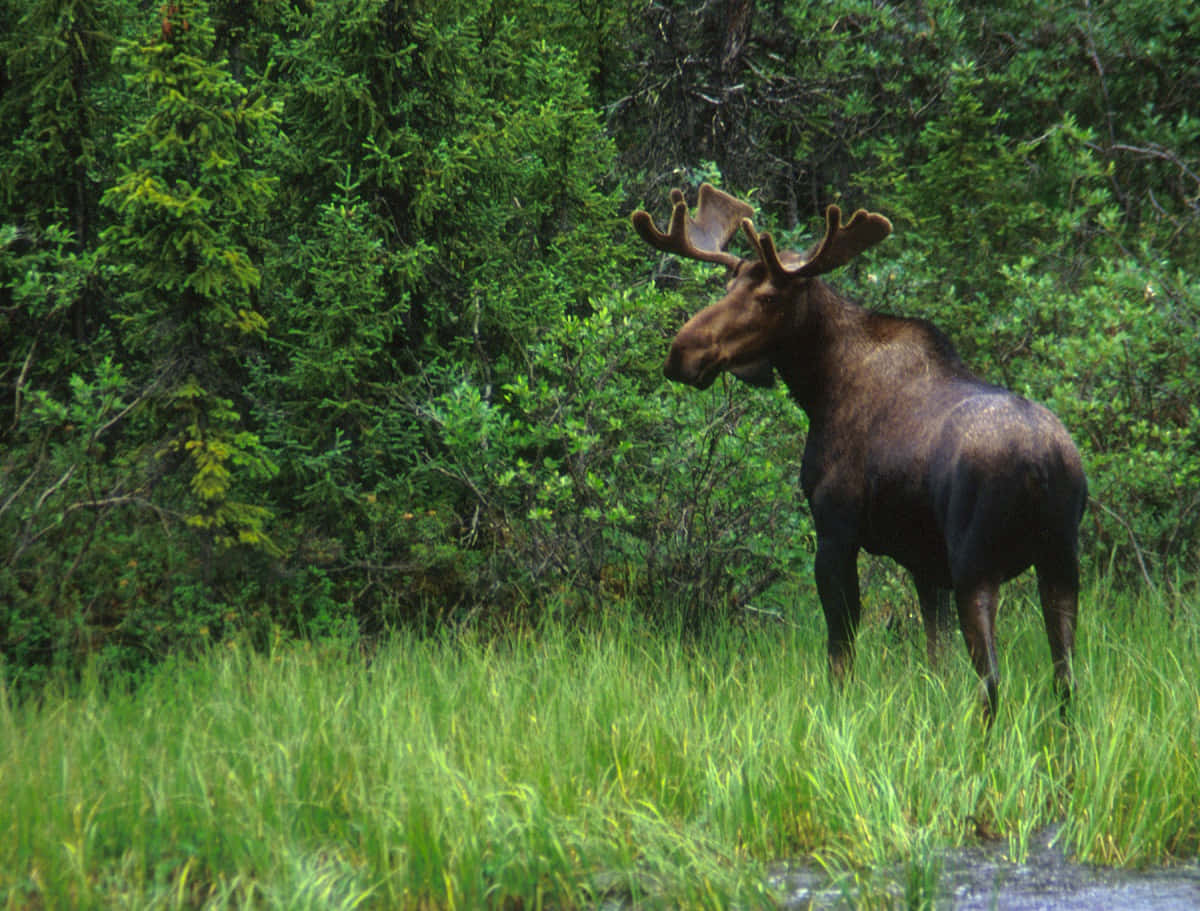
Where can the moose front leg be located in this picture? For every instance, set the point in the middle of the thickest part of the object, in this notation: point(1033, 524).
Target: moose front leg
point(836, 569)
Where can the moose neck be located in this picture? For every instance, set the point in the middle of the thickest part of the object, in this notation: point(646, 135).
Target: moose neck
point(827, 338)
point(838, 358)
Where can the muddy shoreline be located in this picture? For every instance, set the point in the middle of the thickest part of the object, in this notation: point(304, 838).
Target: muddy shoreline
point(982, 877)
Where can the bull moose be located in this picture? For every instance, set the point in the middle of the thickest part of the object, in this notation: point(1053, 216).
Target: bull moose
point(909, 454)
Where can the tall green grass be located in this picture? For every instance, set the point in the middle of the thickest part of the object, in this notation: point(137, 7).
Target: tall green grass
point(573, 767)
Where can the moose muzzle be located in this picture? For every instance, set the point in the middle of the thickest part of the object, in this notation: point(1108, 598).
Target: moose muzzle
point(691, 363)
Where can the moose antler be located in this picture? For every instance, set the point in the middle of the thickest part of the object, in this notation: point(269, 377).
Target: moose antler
point(718, 216)
point(840, 245)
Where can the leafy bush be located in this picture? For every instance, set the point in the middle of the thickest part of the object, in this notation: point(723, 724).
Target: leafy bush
point(594, 481)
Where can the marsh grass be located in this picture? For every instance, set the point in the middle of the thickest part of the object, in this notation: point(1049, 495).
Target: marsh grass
point(578, 767)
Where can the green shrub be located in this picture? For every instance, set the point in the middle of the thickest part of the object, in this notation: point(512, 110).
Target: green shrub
point(594, 480)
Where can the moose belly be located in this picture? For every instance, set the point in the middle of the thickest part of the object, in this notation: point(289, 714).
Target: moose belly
point(909, 533)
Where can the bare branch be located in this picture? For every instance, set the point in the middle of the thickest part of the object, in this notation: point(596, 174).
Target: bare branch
point(49, 491)
point(1137, 550)
point(16, 493)
point(20, 385)
point(1154, 150)
point(142, 396)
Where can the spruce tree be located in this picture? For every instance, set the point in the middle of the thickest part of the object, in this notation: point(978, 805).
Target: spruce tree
point(54, 71)
point(187, 211)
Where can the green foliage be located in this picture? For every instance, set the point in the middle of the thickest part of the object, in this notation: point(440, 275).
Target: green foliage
point(56, 123)
point(1121, 371)
point(323, 389)
point(187, 206)
point(461, 160)
point(44, 281)
point(215, 448)
point(96, 467)
point(468, 139)
point(594, 483)
point(64, 503)
point(190, 193)
point(319, 313)
point(55, 55)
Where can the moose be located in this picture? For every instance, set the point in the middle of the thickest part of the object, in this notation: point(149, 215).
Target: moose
point(909, 454)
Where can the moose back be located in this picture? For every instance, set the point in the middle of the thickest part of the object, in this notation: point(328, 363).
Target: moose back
point(909, 454)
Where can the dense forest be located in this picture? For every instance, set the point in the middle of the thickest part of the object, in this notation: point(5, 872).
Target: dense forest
point(327, 316)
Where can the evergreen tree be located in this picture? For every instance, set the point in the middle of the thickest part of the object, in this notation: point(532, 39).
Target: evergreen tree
point(188, 209)
point(54, 120)
point(56, 55)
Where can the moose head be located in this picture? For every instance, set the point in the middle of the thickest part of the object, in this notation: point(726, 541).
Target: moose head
point(739, 332)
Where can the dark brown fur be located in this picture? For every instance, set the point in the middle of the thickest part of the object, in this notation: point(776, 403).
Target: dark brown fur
point(909, 454)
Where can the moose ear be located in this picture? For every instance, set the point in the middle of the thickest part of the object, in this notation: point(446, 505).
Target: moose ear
point(760, 374)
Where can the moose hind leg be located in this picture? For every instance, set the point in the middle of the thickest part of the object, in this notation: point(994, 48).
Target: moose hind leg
point(937, 616)
point(1058, 588)
point(977, 604)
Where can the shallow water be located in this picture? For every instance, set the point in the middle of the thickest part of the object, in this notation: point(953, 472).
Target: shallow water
point(982, 878)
